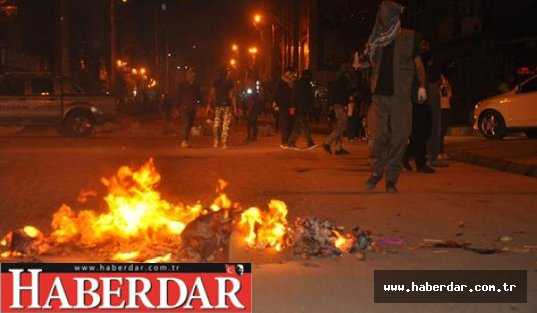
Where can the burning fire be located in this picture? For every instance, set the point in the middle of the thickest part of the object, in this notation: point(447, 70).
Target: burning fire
point(266, 228)
point(343, 243)
point(136, 212)
point(138, 225)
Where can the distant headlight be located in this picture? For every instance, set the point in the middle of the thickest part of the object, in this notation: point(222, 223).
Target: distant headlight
point(94, 110)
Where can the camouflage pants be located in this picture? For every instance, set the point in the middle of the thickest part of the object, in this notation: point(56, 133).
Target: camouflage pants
point(222, 119)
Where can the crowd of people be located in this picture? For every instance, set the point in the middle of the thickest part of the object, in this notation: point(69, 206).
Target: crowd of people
point(394, 95)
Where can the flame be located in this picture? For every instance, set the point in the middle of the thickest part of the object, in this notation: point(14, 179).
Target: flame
point(125, 256)
point(135, 213)
point(136, 224)
point(32, 232)
point(160, 259)
point(341, 242)
point(266, 228)
point(84, 195)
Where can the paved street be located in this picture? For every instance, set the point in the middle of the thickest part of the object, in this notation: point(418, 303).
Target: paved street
point(41, 170)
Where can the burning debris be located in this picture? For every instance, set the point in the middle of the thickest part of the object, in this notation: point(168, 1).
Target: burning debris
point(315, 237)
point(266, 229)
point(138, 225)
point(26, 241)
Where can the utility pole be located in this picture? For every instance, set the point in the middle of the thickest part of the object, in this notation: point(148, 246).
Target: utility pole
point(112, 46)
point(65, 38)
point(156, 48)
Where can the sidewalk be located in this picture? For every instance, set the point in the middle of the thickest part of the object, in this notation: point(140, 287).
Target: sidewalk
point(515, 154)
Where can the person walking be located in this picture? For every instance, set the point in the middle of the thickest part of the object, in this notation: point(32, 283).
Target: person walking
point(340, 94)
point(303, 99)
point(188, 98)
point(222, 99)
point(394, 59)
point(283, 104)
point(445, 106)
point(252, 108)
point(421, 131)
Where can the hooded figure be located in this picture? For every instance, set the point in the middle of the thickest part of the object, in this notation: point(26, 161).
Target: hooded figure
point(387, 27)
point(394, 59)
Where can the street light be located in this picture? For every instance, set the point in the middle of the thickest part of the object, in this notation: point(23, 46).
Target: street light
point(257, 18)
point(253, 52)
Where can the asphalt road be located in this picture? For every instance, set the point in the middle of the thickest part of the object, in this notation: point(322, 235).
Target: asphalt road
point(41, 170)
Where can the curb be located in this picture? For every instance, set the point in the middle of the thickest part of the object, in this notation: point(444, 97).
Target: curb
point(497, 164)
point(461, 131)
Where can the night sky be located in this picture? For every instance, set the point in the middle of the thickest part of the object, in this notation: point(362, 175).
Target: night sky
point(209, 25)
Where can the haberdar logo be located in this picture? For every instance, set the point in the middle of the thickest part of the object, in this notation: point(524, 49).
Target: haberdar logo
point(108, 287)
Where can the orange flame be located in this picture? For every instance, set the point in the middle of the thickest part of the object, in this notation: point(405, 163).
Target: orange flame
point(266, 228)
point(341, 242)
point(136, 211)
point(137, 224)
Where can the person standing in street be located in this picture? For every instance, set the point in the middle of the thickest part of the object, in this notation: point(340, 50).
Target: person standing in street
point(222, 99)
point(188, 98)
point(433, 90)
point(445, 106)
point(283, 104)
point(340, 96)
point(303, 99)
point(394, 59)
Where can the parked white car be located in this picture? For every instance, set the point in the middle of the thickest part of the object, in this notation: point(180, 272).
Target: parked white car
point(513, 111)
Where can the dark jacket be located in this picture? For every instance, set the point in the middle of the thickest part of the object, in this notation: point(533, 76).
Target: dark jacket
point(283, 95)
point(188, 95)
point(340, 90)
point(304, 96)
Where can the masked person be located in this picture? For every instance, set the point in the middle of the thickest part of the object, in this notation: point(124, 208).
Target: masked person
point(394, 58)
point(188, 98)
point(283, 104)
point(222, 98)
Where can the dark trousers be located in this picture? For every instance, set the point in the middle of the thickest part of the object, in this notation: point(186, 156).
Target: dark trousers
point(300, 125)
point(433, 146)
point(187, 121)
point(446, 119)
point(421, 132)
point(354, 127)
point(252, 126)
point(286, 123)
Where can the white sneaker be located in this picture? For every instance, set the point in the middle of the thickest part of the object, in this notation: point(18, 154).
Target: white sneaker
point(215, 144)
point(184, 144)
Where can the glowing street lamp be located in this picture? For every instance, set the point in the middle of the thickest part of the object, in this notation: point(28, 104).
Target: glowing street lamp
point(232, 62)
point(253, 52)
point(257, 18)
point(234, 47)
point(142, 71)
